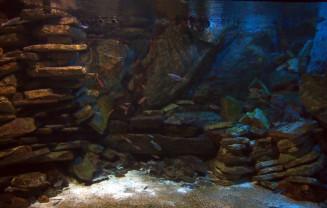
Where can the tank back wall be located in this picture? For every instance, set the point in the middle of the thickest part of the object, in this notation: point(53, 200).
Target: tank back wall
point(215, 92)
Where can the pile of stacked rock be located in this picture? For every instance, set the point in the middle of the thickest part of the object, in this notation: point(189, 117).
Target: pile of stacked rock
point(41, 86)
point(298, 162)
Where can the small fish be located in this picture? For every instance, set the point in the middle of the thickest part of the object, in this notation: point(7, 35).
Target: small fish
point(177, 77)
point(255, 60)
point(155, 157)
point(11, 22)
point(110, 112)
point(127, 139)
point(151, 42)
point(117, 42)
point(127, 104)
point(137, 147)
point(142, 85)
point(142, 100)
point(119, 57)
point(58, 183)
point(84, 26)
point(256, 93)
point(215, 107)
point(150, 135)
point(156, 145)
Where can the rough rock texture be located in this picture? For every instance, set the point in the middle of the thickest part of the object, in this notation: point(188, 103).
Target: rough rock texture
point(55, 47)
point(256, 119)
point(199, 119)
point(29, 180)
point(169, 145)
point(313, 96)
point(175, 58)
point(318, 56)
point(232, 108)
point(86, 168)
point(17, 127)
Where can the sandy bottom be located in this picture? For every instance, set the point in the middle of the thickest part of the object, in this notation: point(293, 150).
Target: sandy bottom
point(140, 190)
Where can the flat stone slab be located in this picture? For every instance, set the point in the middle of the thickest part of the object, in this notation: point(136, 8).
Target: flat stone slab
point(293, 130)
point(4, 60)
point(272, 169)
point(7, 91)
point(303, 180)
point(17, 127)
point(7, 117)
point(9, 80)
point(314, 154)
point(9, 68)
point(24, 158)
point(268, 177)
point(15, 151)
point(37, 14)
point(29, 180)
point(23, 55)
point(42, 94)
point(235, 170)
point(236, 140)
point(55, 156)
point(66, 71)
point(60, 30)
point(147, 121)
point(307, 170)
point(55, 47)
point(6, 106)
point(199, 119)
point(169, 145)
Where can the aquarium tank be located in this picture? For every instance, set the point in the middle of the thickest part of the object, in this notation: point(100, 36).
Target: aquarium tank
point(163, 103)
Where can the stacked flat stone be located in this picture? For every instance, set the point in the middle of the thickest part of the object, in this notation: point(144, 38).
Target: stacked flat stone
point(233, 161)
point(299, 157)
point(36, 123)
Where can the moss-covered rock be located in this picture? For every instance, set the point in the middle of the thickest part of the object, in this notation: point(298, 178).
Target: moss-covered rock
point(256, 119)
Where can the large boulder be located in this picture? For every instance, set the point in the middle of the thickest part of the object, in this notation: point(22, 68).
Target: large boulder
point(314, 97)
point(86, 168)
point(318, 56)
point(175, 52)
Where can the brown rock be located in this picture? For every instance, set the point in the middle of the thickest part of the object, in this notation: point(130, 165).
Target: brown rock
point(23, 55)
point(13, 40)
point(232, 160)
point(15, 151)
point(13, 29)
point(6, 106)
point(29, 180)
point(235, 170)
point(147, 121)
point(293, 130)
point(5, 60)
point(314, 154)
point(75, 33)
point(307, 170)
point(55, 47)
point(43, 199)
point(67, 21)
point(83, 114)
point(303, 180)
point(71, 145)
point(9, 80)
point(59, 39)
point(235, 140)
point(37, 14)
point(272, 169)
point(7, 117)
point(55, 156)
point(19, 203)
point(268, 177)
point(285, 144)
point(17, 127)
point(9, 68)
point(170, 145)
point(7, 91)
point(68, 71)
point(38, 94)
point(25, 157)
point(265, 164)
point(20, 103)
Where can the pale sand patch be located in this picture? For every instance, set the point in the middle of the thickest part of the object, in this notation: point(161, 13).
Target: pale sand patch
point(137, 190)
